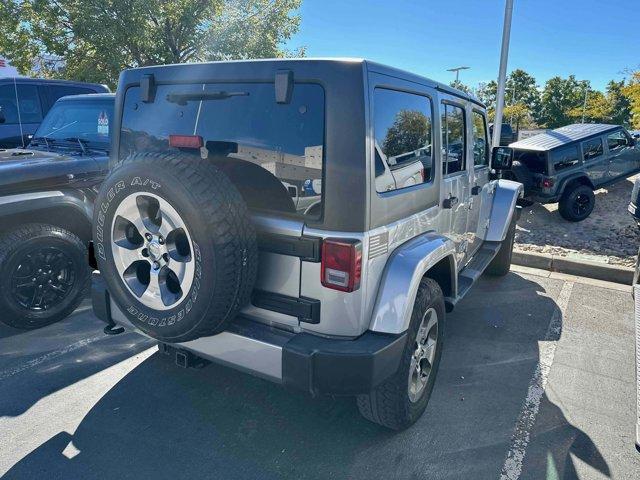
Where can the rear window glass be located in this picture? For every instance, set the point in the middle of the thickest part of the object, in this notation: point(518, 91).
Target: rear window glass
point(239, 122)
point(564, 157)
point(536, 162)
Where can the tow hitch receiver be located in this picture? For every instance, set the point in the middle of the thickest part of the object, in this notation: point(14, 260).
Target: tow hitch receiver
point(184, 358)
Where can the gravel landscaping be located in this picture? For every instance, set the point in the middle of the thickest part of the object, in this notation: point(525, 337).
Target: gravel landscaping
point(609, 235)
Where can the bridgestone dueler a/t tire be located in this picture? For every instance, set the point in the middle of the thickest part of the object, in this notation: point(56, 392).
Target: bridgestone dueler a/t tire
point(224, 242)
point(389, 405)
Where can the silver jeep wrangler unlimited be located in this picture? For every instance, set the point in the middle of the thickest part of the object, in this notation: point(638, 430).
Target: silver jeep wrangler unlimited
point(306, 221)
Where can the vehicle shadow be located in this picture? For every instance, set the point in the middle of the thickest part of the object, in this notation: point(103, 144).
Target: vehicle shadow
point(163, 422)
point(36, 363)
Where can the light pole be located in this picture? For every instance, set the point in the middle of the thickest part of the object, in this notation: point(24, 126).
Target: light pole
point(502, 73)
point(457, 70)
point(586, 94)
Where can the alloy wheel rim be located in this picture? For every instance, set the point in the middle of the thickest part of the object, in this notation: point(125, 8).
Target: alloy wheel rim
point(581, 204)
point(152, 250)
point(424, 354)
point(42, 279)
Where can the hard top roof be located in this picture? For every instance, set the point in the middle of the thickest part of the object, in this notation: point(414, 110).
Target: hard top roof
point(562, 136)
point(88, 96)
point(55, 81)
point(371, 66)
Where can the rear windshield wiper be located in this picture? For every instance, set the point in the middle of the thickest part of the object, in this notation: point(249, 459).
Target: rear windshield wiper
point(183, 98)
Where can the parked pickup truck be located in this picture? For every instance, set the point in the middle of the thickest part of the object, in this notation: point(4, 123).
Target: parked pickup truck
point(200, 245)
point(46, 205)
point(567, 164)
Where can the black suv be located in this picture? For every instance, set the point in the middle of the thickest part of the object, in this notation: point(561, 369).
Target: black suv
point(25, 101)
point(46, 205)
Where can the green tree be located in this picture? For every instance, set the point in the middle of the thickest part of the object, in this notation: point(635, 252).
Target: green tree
point(632, 92)
point(486, 93)
point(460, 86)
point(521, 89)
point(95, 39)
point(559, 97)
point(619, 103)
point(597, 110)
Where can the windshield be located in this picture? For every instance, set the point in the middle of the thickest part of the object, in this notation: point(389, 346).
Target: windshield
point(77, 121)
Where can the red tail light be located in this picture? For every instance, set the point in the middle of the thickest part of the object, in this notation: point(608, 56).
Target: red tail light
point(341, 264)
point(185, 141)
point(547, 182)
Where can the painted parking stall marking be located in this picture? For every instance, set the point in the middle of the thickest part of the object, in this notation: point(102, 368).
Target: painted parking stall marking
point(512, 468)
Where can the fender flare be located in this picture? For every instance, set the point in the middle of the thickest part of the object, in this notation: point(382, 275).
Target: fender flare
point(578, 176)
point(503, 207)
point(21, 203)
point(401, 277)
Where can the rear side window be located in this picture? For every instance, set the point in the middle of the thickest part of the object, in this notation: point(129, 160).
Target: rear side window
point(8, 104)
point(536, 162)
point(238, 122)
point(29, 104)
point(403, 131)
point(617, 140)
point(54, 92)
point(453, 139)
point(480, 140)
point(564, 157)
point(592, 148)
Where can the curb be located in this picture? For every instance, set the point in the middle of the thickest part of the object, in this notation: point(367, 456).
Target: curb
point(582, 268)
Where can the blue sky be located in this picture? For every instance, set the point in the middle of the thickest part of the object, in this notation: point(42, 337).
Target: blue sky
point(594, 39)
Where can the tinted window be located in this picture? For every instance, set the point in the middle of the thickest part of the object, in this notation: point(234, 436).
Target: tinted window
point(57, 91)
point(536, 162)
point(564, 157)
point(592, 148)
point(403, 134)
point(285, 139)
point(453, 139)
point(480, 140)
point(29, 103)
point(8, 104)
point(88, 121)
point(617, 140)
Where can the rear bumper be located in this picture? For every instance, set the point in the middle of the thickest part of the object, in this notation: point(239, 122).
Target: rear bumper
point(302, 361)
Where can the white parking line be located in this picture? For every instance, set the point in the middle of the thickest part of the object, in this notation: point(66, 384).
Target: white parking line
point(512, 467)
point(48, 356)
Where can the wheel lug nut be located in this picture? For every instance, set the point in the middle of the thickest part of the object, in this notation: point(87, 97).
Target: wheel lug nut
point(161, 240)
point(156, 265)
point(165, 256)
point(148, 236)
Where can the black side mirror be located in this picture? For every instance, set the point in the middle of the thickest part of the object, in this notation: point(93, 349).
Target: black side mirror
point(501, 158)
point(293, 191)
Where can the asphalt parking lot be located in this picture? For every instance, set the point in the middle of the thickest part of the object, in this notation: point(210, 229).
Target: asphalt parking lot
point(536, 381)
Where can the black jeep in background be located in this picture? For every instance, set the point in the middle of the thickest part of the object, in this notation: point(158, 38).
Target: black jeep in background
point(567, 164)
point(46, 205)
point(25, 101)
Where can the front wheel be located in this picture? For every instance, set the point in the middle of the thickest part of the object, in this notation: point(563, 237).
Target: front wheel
point(577, 203)
point(43, 275)
point(401, 400)
point(501, 263)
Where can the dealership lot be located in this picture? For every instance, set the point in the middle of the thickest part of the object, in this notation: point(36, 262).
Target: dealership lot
point(75, 403)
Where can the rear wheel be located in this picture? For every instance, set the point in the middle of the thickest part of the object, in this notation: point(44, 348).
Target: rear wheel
point(43, 275)
point(577, 202)
point(401, 400)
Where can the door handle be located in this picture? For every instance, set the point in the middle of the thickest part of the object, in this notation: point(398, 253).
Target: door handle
point(450, 202)
point(476, 190)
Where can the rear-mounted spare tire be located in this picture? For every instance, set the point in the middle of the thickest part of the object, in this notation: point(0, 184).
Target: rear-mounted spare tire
point(175, 244)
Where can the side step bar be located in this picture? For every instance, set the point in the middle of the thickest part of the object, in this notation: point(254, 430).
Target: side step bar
point(473, 270)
